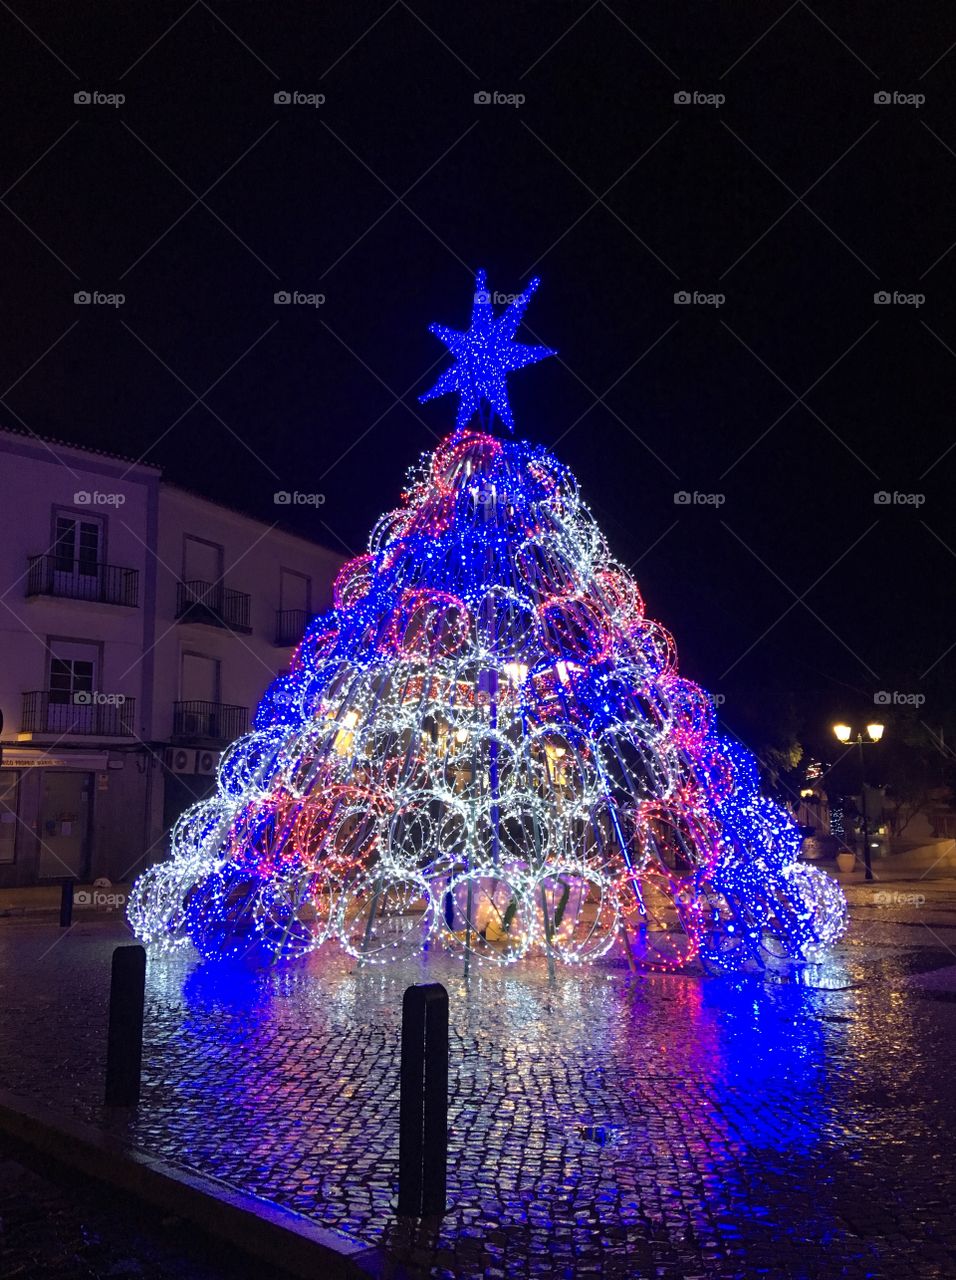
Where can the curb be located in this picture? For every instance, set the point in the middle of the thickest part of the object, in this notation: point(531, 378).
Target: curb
point(266, 1231)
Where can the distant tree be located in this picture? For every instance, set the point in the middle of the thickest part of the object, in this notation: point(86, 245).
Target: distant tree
point(915, 766)
point(767, 721)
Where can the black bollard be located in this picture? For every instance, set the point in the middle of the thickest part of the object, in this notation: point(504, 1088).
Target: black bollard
point(124, 1045)
point(66, 903)
point(423, 1102)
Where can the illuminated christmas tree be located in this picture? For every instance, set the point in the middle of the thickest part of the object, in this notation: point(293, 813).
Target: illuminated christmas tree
point(486, 744)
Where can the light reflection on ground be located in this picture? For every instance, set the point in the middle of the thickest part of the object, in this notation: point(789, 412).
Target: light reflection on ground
point(801, 1126)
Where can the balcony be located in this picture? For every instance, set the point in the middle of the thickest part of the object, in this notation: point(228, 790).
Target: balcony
point(290, 626)
point(76, 580)
point(208, 721)
point(213, 604)
point(98, 715)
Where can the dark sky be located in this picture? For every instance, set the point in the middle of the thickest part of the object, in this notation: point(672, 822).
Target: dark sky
point(797, 198)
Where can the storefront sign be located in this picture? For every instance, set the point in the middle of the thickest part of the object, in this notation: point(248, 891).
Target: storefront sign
point(33, 758)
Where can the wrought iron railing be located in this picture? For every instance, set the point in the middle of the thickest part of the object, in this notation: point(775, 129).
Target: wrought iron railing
point(101, 715)
point(290, 626)
point(53, 575)
point(211, 721)
point(212, 603)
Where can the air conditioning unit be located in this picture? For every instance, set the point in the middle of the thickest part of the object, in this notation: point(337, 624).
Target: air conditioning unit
point(179, 760)
point(207, 761)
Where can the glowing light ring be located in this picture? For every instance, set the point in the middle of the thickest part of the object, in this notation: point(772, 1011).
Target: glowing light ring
point(565, 760)
point(511, 830)
point(385, 916)
point(542, 569)
point(571, 629)
point(658, 644)
point(202, 828)
point(429, 624)
point(649, 707)
point(723, 934)
point(248, 766)
point(463, 459)
point(633, 763)
point(413, 833)
point(293, 917)
point(487, 915)
point(663, 923)
point(713, 771)
point(390, 528)
point(353, 581)
point(577, 913)
point(621, 595)
point(488, 708)
point(694, 711)
point(157, 901)
point(305, 758)
point(260, 836)
point(821, 905)
point(221, 915)
point(675, 836)
point(340, 829)
point(504, 622)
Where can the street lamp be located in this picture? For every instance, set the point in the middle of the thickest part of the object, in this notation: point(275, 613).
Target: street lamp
point(874, 733)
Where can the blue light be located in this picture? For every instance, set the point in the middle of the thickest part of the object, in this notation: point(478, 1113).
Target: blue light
point(484, 355)
point(486, 740)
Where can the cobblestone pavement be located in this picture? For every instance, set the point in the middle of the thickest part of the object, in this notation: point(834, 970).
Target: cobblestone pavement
point(52, 1227)
point(780, 1128)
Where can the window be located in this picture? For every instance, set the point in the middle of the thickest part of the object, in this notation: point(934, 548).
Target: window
point(202, 560)
point(295, 591)
point(77, 544)
point(73, 668)
point(199, 680)
point(69, 676)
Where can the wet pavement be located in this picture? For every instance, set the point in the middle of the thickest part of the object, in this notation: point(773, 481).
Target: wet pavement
point(52, 1227)
point(603, 1124)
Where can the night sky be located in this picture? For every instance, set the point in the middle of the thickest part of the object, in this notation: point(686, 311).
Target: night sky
point(797, 198)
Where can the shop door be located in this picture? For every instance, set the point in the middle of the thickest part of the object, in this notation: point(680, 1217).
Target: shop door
point(64, 824)
point(9, 788)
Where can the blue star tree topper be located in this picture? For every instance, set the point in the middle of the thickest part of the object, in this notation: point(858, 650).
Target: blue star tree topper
point(485, 354)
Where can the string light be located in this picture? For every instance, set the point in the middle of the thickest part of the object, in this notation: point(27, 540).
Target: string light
point(485, 741)
point(484, 354)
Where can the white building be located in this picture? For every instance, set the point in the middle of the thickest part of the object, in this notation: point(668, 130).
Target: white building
point(139, 626)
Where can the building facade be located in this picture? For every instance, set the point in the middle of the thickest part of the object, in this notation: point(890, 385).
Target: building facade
point(139, 626)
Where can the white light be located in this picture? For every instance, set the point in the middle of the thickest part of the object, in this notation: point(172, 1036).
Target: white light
point(486, 742)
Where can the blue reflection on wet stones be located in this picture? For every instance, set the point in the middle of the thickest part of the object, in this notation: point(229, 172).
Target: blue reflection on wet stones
point(601, 1124)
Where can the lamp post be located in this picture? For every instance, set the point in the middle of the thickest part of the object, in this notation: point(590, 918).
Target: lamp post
point(845, 734)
